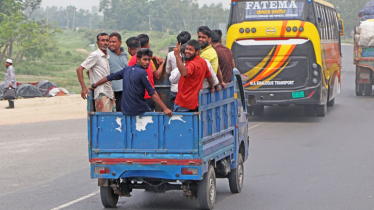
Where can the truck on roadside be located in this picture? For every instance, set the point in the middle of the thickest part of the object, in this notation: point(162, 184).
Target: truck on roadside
point(364, 57)
point(185, 152)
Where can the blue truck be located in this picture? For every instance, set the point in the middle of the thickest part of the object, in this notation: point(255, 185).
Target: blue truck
point(186, 152)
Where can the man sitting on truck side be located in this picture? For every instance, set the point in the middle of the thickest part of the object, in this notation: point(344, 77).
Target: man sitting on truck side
point(133, 45)
point(192, 78)
point(135, 82)
point(152, 75)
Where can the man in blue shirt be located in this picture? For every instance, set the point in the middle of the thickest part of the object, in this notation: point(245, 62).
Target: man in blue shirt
point(117, 61)
point(135, 82)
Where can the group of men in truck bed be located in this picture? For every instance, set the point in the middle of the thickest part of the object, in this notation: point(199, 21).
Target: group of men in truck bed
point(124, 81)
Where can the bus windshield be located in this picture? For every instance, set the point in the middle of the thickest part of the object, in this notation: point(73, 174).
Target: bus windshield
point(269, 10)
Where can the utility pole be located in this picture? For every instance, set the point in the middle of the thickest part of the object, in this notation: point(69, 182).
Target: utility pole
point(149, 23)
point(203, 22)
point(74, 21)
point(90, 22)
point(67, 20)
point(47, 14)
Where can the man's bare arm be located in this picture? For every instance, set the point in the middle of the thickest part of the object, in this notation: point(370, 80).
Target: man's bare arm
point(157, 74)
point(211, 84)
point(84, 92)
point(220, 78)
point(158, 101)
point(182, 69)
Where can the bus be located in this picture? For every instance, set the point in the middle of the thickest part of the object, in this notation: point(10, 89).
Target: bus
point(288, 52)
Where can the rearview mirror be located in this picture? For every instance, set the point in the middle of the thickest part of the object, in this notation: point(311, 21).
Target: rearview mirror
point(251, 100)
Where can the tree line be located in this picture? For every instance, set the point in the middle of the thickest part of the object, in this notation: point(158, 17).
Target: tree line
point(21, 37)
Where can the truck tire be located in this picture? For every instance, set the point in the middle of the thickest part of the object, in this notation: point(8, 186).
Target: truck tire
point(368, 89)
point(321, 110)
point(258, 110)
point(207, 192)
point(309, 110)
point(108, 198)
point(359, 89)
point(236, 176)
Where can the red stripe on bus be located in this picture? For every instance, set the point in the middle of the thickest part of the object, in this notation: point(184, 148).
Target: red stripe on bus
point(284, 27)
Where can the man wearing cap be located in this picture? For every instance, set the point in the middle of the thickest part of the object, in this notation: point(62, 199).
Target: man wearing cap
point(10, 80)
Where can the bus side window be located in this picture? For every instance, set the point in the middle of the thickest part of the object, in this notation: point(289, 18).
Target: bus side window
point(239, 89)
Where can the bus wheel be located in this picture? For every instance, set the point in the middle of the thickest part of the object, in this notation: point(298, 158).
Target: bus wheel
point(236, 176)
point(206, 192)
point(309, 110)
point(359, 89)
point(331, 103)
point(258, 110)
point(368, 89)
point(321, 110)
point(108, 198)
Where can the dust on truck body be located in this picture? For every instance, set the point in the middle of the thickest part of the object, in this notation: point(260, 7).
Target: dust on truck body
point(187, 151)
point(288, 52)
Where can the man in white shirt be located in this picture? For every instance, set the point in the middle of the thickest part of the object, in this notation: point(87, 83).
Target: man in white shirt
point(171, 63)
point(98, 65)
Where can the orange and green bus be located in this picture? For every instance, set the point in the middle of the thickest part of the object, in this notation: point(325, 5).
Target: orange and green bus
point(288, 52)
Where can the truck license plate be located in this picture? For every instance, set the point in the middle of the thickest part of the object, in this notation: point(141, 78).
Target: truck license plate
point(298, 94)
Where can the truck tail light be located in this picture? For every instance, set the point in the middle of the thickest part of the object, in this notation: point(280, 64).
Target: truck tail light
point(101, 170)
point(190, 171)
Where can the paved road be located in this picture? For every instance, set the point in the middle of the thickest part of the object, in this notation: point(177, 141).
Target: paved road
point(296, 162)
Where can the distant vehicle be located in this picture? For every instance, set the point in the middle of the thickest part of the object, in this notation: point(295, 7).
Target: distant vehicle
point(288, 52)
point(364, 57)
point(186, 152)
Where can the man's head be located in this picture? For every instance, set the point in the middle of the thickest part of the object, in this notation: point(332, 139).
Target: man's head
point(144, 40)
point(103, 41)
point(192, 49)
point(8, 62)
point(115, 41)
point(133, 45)
point(143, 57)
point(216, 36)
point(204, 36)
point(183, 37)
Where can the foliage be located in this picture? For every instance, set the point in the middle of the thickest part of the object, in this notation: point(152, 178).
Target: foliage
point(160, 15)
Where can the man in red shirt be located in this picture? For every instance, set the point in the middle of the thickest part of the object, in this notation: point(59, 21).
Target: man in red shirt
point(192, 77)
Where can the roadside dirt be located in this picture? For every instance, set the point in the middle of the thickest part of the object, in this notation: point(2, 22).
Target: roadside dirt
point(43, 109)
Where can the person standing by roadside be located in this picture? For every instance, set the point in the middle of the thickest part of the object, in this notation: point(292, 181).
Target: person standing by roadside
point(225, 57)
point(10, 80)
point(98, 65)
point(208, 52)
point(117, 61)
point(171, 63)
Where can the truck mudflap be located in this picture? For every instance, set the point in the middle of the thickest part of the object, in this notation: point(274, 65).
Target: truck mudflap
point(166, 169)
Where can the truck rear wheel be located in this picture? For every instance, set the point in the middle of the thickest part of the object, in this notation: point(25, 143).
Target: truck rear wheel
point(368, 89)
point(108, 198)
point(206, 192)
point(236, 176)
point(359, 89)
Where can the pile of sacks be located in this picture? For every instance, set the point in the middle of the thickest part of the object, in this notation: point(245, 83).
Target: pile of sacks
point(365, 34)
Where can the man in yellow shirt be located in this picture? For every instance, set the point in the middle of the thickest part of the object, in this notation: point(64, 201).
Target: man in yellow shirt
point(208, 52)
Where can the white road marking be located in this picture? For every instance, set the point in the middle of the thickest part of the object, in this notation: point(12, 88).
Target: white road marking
point(76, 201)
point(255, 126)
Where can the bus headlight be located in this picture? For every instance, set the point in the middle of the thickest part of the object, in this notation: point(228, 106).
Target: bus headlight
point(301, 29)
point(288, 29)
point(314, 65)
point(315, 81)
point(254, 30)
point(294, 29)
point(315, 73)
point(241, 30)
point(247, 30)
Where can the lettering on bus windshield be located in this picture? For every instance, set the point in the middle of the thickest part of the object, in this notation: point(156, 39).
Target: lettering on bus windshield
point(258, 10)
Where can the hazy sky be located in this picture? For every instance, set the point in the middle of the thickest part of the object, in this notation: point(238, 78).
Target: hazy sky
point(88, 4)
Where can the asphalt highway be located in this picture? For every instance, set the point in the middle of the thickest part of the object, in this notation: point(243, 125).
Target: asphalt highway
point(296, 162)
